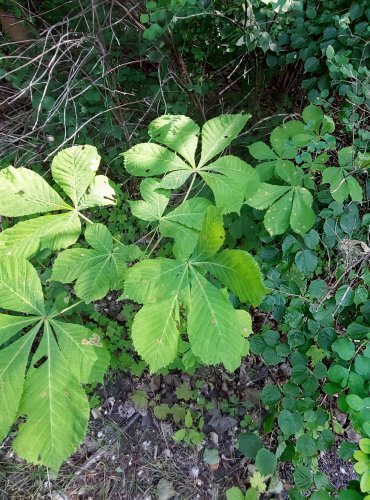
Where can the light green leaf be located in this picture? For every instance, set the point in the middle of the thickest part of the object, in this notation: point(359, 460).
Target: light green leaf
point(98, 194)
point(96, 270)
point(175, 179)
point(55, 406)
point(234, 493)
point(13, 362)
point(20, 287)
point(277, 217)
point(148, 159)
point(10, 325)
point(266, 195)
point(183, 224)
point(262, 151)
point(74, 169)
point(71, 263)
point(286, 206)
point(313, 116)
point(154, 203)
point(212, 235)
point(178, 132)
point(23, 192)
point(51, 232)
point(239, 272)
point(99, 237)
point(218, 133)
point(83, 351)
point(231, 180)
point(154, 280)
point(155, 335)
point(213, 326)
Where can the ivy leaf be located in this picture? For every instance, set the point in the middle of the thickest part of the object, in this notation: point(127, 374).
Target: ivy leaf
point(290, 423)
point(344, 347)
point(286, 206)
point(24, 192)
point(96, 270)
point(48, 389)
point(302, 477)
point(179, 132)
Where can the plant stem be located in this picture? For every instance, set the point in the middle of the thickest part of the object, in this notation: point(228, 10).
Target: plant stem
point(58, 313)
point(190, 187)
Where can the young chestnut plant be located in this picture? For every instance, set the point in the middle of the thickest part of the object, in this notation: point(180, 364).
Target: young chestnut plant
point(43, 360)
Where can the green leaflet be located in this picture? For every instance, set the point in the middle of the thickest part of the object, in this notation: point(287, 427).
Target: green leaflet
point(74, 169)
point(179, 133)
point(230, 179)
point(13, 362)
point(213, 326)
point(155, 334)
point(239, 272)
point(95, 270)
point(212, 236)
point(286, 206)
point(152, 281)
point(20, 287)
point(24, 192)
point(182, 224)
point(216, 330)
point(218, 133)
point(48, 390)
point(49, 231)
point(154, 201)
point(342, 182)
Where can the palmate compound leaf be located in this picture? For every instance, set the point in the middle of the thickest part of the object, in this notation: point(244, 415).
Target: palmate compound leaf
point(284, 147)
point(46, 391)
point(183, 223)
point(24, 192)
point(216, 330)
point(286, 205)
point(342, 183)
point(230, 179)
point(95, 270)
